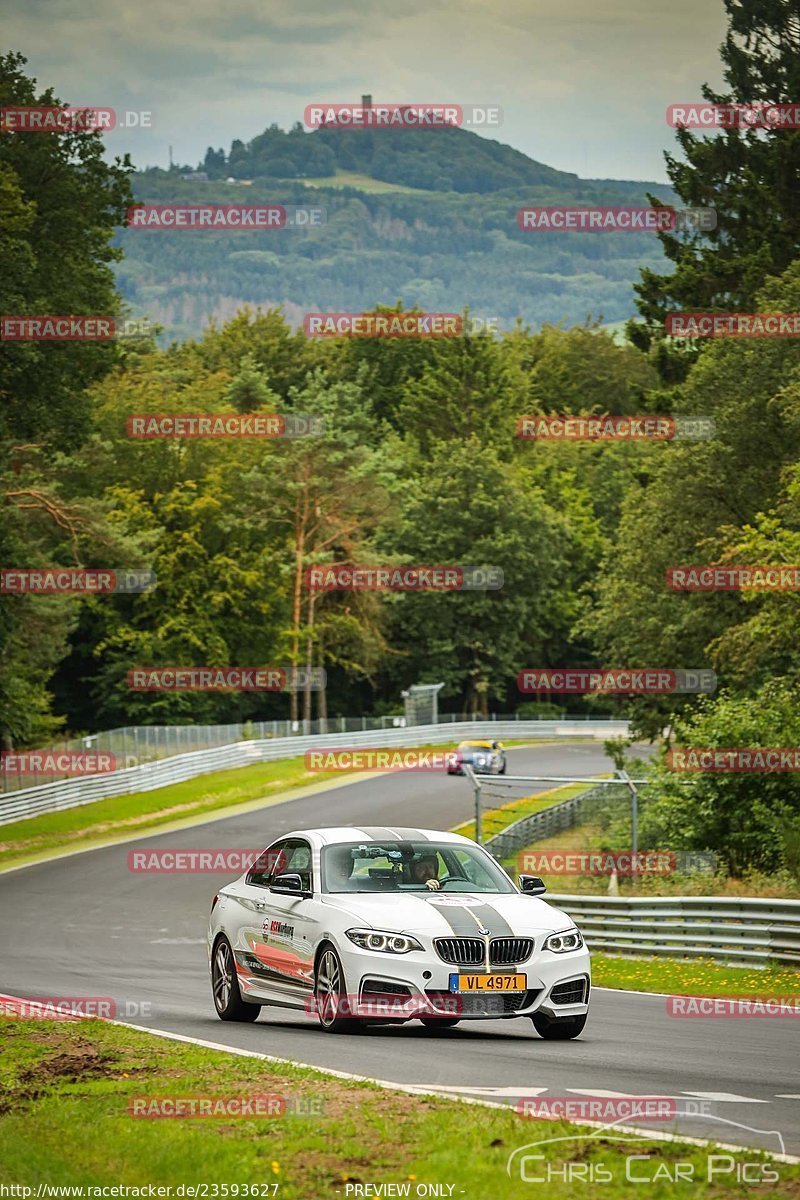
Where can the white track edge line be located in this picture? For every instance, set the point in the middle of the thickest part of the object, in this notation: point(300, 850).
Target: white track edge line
point(417, 1089)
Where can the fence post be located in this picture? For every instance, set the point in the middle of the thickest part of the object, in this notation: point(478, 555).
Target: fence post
point(476, 788)
point(626, 779)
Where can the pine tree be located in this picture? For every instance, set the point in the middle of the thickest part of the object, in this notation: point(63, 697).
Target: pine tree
point(750, 177)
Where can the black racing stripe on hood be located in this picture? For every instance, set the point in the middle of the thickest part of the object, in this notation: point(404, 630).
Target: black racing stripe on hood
point(459, 920)
point(490, 918)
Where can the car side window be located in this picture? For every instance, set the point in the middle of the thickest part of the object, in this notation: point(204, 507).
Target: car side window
point(297, 855)
point(269, 863)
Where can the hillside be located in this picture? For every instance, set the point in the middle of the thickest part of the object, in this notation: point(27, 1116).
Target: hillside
point(429, 218)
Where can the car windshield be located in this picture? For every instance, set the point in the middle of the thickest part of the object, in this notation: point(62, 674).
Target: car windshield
point(410, 867)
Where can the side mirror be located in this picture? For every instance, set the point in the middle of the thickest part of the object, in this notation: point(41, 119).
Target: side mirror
point(289, 884)
point(531, 885)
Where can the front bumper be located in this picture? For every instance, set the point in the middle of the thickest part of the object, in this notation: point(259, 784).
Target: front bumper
point(405, 986)
point(484, 768)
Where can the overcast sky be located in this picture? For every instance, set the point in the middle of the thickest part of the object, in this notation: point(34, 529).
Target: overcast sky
point(583, 85)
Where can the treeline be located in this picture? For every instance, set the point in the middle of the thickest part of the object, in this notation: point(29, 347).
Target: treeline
point(419, 463)
point(439, 160)
point(439, 251)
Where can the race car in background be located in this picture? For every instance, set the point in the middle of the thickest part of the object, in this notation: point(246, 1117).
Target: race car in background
point(387, 925)
point(485, 758)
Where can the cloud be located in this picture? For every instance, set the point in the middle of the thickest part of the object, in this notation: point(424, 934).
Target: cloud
point(583, 87)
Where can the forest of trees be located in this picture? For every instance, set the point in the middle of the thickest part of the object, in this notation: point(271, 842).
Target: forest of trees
point(419, 464)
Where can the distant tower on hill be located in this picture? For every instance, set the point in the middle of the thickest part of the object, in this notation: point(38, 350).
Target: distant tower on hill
point(366, 101)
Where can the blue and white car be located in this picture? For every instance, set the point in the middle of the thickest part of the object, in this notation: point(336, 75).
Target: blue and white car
point(485, 758)
point(371, 924)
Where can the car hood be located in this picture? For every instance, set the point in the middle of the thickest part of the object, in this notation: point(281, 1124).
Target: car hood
point(452, 914)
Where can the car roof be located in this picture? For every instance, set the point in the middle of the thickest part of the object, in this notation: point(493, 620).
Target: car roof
point(377, 833)
point(486, 745)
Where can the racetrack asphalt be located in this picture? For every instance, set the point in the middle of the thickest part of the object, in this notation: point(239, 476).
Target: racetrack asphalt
point(85, 925)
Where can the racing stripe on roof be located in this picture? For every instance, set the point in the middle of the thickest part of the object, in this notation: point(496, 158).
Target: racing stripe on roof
point(379, 833)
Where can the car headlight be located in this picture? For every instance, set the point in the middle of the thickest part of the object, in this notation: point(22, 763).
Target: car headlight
point(480, 760)
point(560, 943)
point(384, 943)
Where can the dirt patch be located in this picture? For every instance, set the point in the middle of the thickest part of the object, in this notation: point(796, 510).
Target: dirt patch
point(80, 1064)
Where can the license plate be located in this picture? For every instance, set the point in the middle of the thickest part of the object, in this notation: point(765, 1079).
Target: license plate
point(494, 982)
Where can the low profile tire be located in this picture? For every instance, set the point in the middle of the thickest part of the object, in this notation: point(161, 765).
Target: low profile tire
point(558, 1029)
point(439, 1022)
point(225, 986)
point(329, 991)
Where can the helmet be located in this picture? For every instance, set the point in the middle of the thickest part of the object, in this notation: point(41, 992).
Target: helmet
point(339, 866)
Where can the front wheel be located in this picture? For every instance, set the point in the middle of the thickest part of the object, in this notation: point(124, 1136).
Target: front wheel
point(225, 986)
point(331, 995)
point(558, 1029)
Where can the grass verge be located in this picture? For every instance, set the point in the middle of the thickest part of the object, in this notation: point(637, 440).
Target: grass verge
point(495, 820)
point(66, 1091)
point(702, 977)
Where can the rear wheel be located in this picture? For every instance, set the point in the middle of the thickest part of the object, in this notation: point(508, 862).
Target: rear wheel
point(558, 1029)
point(331, 995)
point(225, 986)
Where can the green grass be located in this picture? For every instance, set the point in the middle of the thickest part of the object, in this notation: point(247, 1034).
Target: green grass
point(65, 1090)
point(700, 978)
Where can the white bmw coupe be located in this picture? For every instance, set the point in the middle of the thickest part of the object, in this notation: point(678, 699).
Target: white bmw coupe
point(389, 924)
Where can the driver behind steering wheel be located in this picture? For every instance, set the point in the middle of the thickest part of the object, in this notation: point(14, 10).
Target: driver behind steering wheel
point(426, 870)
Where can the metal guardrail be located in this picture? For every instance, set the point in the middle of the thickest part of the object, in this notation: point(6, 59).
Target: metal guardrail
point(132, 745)
point(70, 793)
point(542, 824)
point(741, 932)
